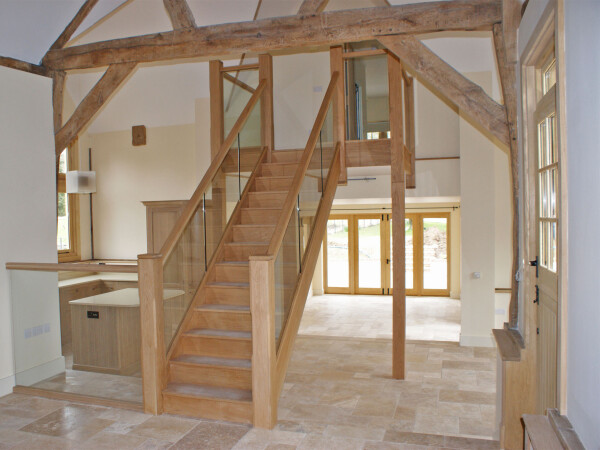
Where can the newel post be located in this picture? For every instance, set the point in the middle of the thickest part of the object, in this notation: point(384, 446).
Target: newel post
point(264, 353)
point(150, 281)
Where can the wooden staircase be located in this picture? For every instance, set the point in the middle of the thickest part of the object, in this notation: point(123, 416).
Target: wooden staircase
point(209, 363)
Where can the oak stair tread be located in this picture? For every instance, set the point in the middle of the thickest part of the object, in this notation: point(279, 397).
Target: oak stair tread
point(213, 307)
point(212, 392)
point(200, 360)
point(237, 243)
point(230, 334)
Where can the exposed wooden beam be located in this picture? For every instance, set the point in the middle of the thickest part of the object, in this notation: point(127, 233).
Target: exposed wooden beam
point(239, 83)
point(468, 96)
point(280, 33)
point(24, 66)
point(180, 14)
point(91, 104)
point(505, 41)
point(68, 32)
point(58, 89)
point(312, 6)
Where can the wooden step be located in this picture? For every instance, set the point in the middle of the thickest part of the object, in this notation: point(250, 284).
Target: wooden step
point(280, 156)
point(241, 251)
point(211, 371)
point(260, 216)
point(232, 271)
point(222, 317)
point(273, 183)
point(253, 233)
point(266, 199)
point(208, 402)
point(227, 293)
point(285, 169)
point(234, 344)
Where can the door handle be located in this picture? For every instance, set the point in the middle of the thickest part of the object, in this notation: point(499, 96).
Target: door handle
point(387, 261)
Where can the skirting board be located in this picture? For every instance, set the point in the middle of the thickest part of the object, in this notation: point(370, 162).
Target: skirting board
point(6, 385)
point(38, 373)
point(477, 341)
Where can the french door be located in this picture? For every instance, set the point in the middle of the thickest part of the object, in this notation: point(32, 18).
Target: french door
point(358, 254)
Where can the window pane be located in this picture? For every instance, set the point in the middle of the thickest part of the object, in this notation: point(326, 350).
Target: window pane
point(552, 143)
point(549, 77)
point(552, 192)
point(553, 253)
point(542, 145)
point(543, 177)
point(369, 253)
point(338, 268)
point(62, 235)
point(410, 251)
point(435, 255)
point(63, 165)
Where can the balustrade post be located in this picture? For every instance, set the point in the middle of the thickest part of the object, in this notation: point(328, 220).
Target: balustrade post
point(150, 281)
point(264, 353)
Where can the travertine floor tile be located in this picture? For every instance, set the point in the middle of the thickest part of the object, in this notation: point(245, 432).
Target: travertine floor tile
point(165, 428)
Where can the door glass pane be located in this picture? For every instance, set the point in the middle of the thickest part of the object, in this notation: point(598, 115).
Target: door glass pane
point(62, 235)
point(338, 265)
point(435, 254)
point(542, 145)
point(552, 256)
point(369, 253)
point(409, 249)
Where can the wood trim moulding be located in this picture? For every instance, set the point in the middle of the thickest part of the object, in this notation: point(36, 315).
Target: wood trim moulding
point(73, 267)
point(280, 33)
point(24, 66)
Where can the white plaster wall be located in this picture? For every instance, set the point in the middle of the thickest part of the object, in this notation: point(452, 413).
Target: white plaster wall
point(163, 169)
point(27, 200)
point(582, 45)
point(477, 189)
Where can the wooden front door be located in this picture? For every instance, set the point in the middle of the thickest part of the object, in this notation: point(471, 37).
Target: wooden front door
point(547, 190)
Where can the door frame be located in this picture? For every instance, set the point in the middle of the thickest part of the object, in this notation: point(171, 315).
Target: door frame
point(548, 31)
point(350, 288)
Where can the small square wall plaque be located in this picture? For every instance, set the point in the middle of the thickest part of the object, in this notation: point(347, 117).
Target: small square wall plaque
point(138, 135)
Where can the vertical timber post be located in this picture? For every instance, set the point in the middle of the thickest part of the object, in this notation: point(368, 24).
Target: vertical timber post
point(409, 120)
point(217, 127)
point(264, 353)
point(339, 113)
point(265, 72)
point(398, 214)
point(150, 270)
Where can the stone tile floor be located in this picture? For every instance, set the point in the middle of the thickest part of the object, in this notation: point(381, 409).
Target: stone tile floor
point(427, 318)
point(338, 394)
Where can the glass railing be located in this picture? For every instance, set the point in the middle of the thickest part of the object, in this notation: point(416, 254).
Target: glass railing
point(216, 198)
point(77, 333)
point(289, 259)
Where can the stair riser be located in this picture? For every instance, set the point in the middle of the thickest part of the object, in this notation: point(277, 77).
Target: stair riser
point(279, 170)
point(253, 234)
point(242, 252)
point(260, 216)
point(228, 296)
point(266, 199)
point(208, 408)
point(216, 346)
point(227, 377)
point(286, 156)
point(222, 320)
point(273, 184)
point(232, 273)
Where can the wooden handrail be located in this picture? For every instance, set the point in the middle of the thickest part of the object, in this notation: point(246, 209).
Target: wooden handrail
point(192, 205)
point(290, 200)
point(73, 267)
